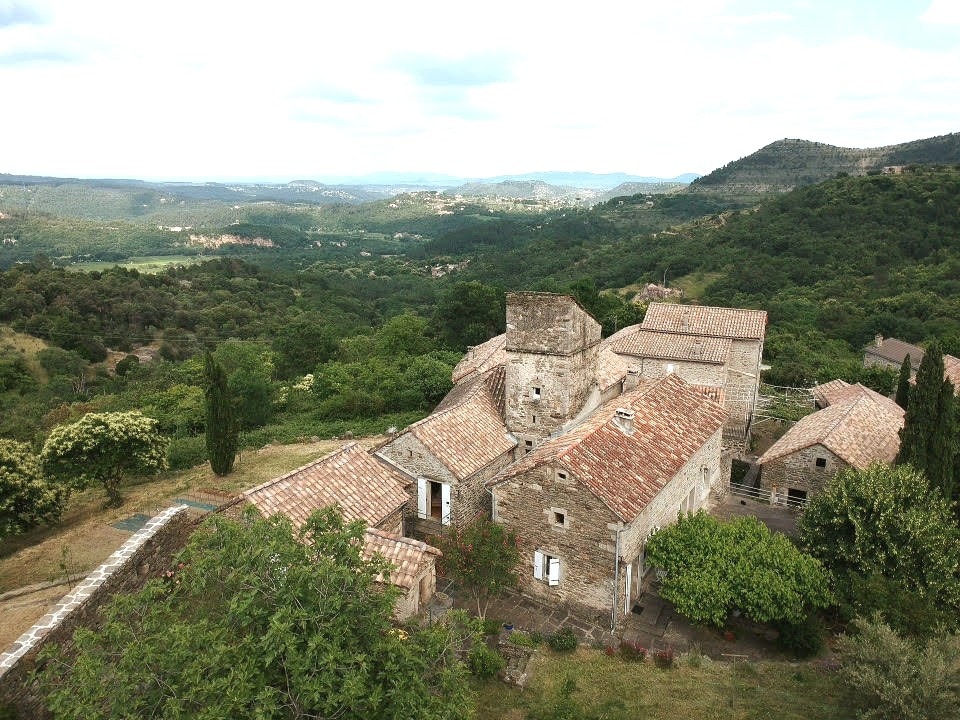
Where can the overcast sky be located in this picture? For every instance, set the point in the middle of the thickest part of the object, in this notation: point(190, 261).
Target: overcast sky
point(203, 90)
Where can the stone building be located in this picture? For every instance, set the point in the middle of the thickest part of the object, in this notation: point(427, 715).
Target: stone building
point(367, 489)
point(715, 347)
point(584, 502)
point(453, 452)
point(890, 353)
point(857, 428)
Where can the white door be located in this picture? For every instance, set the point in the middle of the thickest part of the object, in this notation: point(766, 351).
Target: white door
point(423, 498)
point(553, 575)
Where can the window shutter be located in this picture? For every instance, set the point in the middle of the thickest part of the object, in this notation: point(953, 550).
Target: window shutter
point(422, 497)
point(553, 577)
point(537, 565)
point(445, 504)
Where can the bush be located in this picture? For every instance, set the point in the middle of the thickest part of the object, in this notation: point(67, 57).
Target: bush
point(892, 676)
point(664, 658)
point(491, 626)
point(484, 662)
point(633, 651)
point(802, 639)
point(563, 640)
point(523, 639)
point(186, 452)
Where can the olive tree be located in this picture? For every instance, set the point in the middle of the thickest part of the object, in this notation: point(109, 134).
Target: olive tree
point(103, 449)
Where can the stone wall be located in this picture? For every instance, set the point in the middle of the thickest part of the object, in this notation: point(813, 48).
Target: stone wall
point(552, 346)
point(147, 554)
point(799, 471)
point(741, 386)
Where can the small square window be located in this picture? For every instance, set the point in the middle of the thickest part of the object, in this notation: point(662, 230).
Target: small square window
point(561, 475)
point(535, 393)
point(821, 462)
point(527, 446)
point(559, 518)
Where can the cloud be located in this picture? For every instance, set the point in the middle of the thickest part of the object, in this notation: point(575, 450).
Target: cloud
point(466, 72)
point(942, 12)
point(18, 13)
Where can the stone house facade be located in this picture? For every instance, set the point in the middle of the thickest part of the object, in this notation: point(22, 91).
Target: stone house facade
point(584, 502)
point(857, 428)
point(714, 347)
point(451, 454)
point(891, 352)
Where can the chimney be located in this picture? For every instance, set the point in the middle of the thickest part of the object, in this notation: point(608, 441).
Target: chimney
point(623, 419)
point(632, 379)
point(878, 340)
point(471, 351)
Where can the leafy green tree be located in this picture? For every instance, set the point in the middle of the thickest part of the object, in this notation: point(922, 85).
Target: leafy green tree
point(713, 567)
point(102, 449)
point(222, 429)
point(903, 383)
point(886, 521)
point(406, 334)
point(468, 313)
point(26, 498)
point(927, 439)
point(482, 558)
point(249, 369)
point(178, 409)
point(303, 343)
point(260, 621)
point(892, 677)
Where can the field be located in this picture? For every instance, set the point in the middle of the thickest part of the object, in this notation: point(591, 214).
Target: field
point(149, 264)
point(611, 688)
point(27, 346)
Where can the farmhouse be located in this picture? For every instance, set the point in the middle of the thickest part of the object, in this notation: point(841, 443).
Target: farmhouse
point(857, 428)
point(365, 489)
point(584, 502)
point(890, 353)
point(715, 347)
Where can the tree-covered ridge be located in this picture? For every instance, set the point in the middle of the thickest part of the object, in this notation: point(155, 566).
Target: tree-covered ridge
point(789, 163)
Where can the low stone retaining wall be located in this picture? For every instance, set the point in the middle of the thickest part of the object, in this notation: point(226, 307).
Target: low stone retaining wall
point(145, 555)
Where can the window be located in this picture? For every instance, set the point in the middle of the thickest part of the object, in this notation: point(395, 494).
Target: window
point(534, 420)
point(796, 498)
point(562, 476)
point(670, 367)
point(558, 517)
point(546, 567)
point(527, 446)
point(821, 462)
point(535, 393)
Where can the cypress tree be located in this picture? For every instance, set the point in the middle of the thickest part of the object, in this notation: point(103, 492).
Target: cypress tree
point(223, 430)
point(903, 383)
point(927, 439)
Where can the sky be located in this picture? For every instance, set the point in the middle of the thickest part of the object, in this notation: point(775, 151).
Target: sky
point(205, 90)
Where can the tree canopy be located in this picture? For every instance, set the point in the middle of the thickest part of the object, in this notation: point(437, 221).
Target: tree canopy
point(103, 448)
point(257, 620)
point(885, 522)
point(713, 567)
point(26, 498)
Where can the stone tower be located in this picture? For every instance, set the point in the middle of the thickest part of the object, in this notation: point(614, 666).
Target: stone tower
point(552, 347)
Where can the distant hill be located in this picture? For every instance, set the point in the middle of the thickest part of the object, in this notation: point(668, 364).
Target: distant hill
point(786, 164)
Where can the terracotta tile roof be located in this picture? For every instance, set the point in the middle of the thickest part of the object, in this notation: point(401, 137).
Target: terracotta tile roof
point(836, 392)
point(951, 371)
point(861, 429)
point(466, 432)
point(894, 351)
point(611, 368)
point(711, 391)
point(361, 485)
point(672, 421)
point(670, 346)
point(734, 323)
point(405, 554)
point(481, 358)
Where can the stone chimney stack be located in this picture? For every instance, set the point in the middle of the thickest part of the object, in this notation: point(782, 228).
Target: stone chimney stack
point(878, 340)
point(623, 419)
point(632, 379)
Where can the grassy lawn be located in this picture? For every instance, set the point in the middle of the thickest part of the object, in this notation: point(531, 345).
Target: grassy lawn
point(608, 687)
point(145, 264)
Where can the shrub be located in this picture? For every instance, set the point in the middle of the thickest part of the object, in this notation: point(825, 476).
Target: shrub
point(484, 662)
point(802, 639)
point(536, 637)
point(187, 452)
point(522, 639)
point(491, 626)
point(563, 640)
point(633, 651)
point(664, 658)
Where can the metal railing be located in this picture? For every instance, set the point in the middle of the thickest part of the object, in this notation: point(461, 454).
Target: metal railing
point(764, 495)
